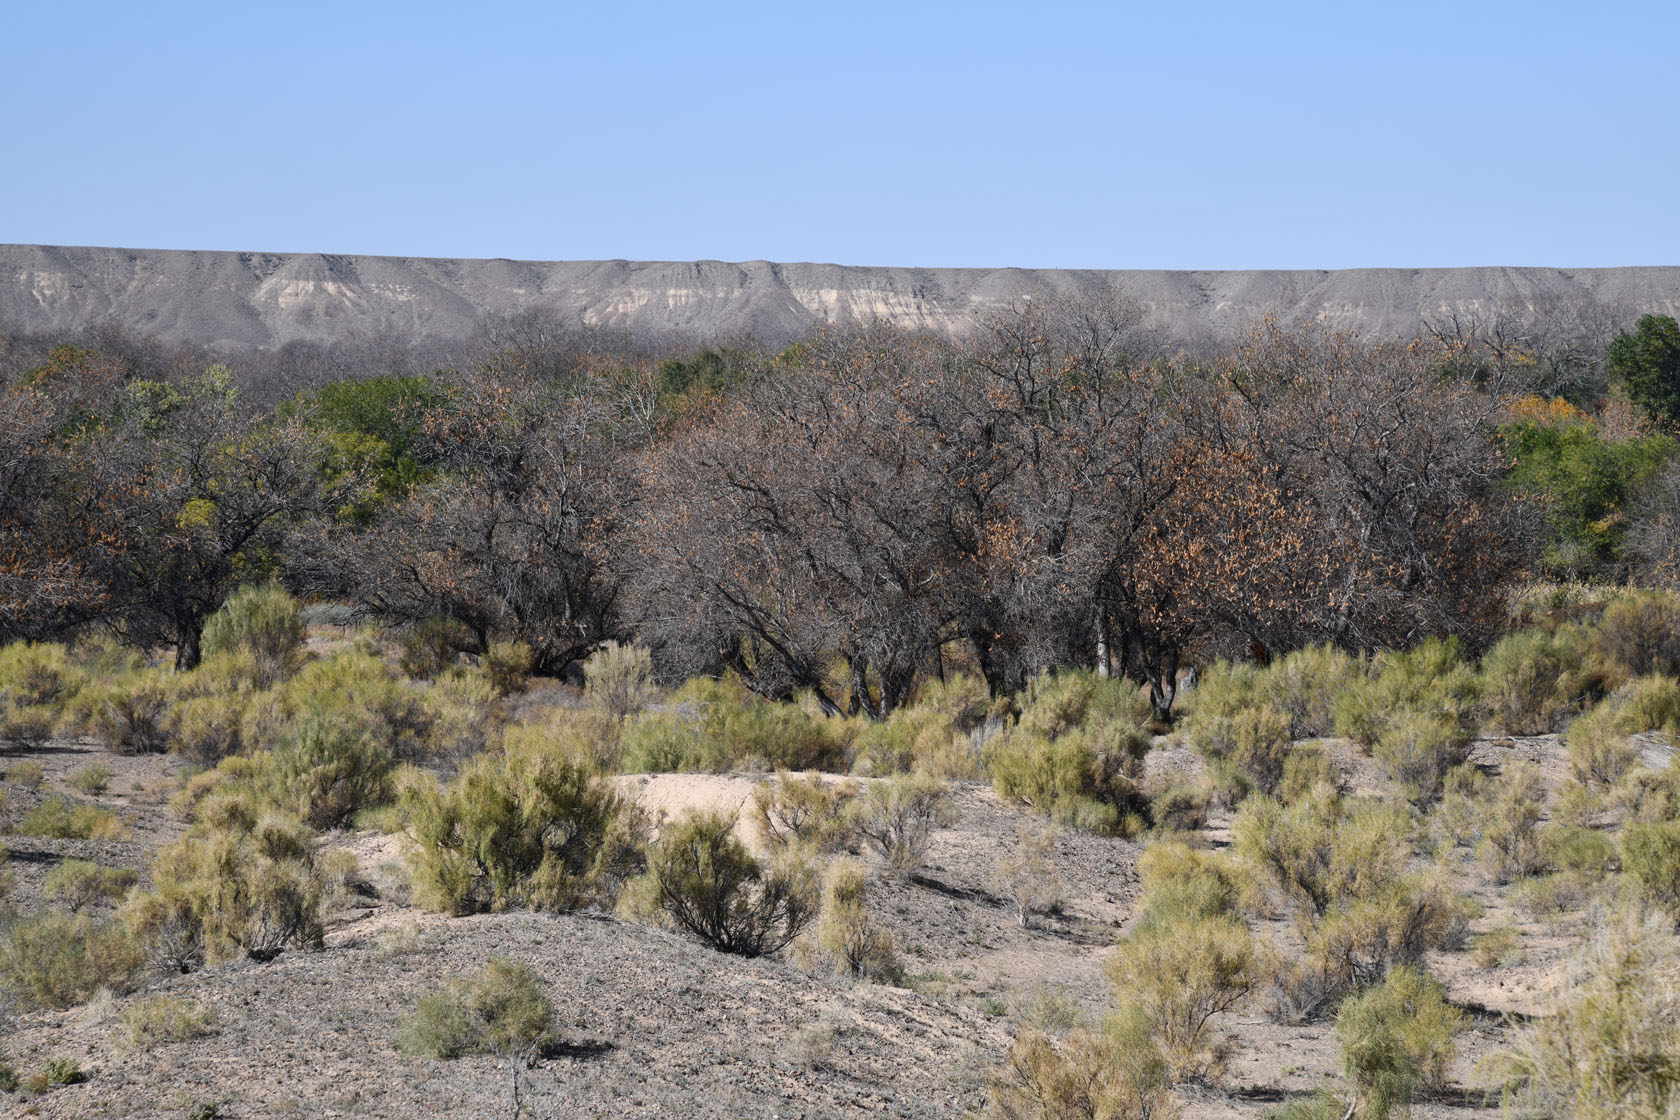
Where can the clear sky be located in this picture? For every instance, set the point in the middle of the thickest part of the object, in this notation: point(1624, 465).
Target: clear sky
point(1167, 135)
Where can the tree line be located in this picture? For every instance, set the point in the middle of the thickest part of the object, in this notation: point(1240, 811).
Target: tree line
point(865, 509)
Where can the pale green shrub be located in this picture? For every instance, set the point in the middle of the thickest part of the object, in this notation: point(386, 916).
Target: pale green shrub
point(803, 810)
point(500, 1010)
point(262, 622)
point(58, 960)
point(1641, 634)
point(155, 1021)
point(1525, 684)
point(1416, 749)
point(79, 883)
point(618, 679)
point(897, 816)
point(1396, 1040)
point(712, 888)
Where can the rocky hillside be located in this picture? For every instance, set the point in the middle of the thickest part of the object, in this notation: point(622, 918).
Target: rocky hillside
point(242, 300)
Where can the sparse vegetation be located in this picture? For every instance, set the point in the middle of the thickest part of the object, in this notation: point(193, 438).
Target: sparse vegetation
point(713, 889)
point(500, 1010)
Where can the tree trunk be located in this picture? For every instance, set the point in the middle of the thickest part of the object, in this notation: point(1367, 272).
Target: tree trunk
point(1104, 666)
point(189, 635)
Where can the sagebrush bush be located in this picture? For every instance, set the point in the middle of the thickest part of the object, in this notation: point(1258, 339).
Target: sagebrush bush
point(846, 939)
point(1055, 704)
point(523, 828)
point(59, 960)
point(963, 699)
point(128, 714)
point(916, 738)
point(1324, 849)
point(896, 816)
point(507, 666)
point(1396, 1040)
point(803, 810)
point(1181, 806)
point(1074, 759)
point(1431, 677)
point(1026, 874)
point(241, 881)
point(1651, 858)
point(1500, 947)
point(717, 725)
point(158, 1020)
point(26, 772)
point(63, 819)
point(79, 883)
point(1115, 1073)
point(1179, 974)
point(1245, 751)
point(1304, 683)
point(1416, 749)
point(38, 674)
point(1525, 683)
point(1181, 882)
point(1610, 1049)
point(500, 1010)
point(263, 622)
point(712, 888)
point(1510, 811)
point(619, 680)
point(329, 769)
point(92, 780)
point(1641, 634)
point(428, 647)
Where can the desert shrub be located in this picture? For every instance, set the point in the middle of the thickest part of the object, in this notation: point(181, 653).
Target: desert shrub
point(500, 1010)
point(1323, 849)
point(1181, 806)
point(1416, 749)
point(1363, 939)
point(716, 725)
point(1085, 775)
point(915, 738)
point(38, 674)
point(896, 816)
point(526, 827)
point(1116, 1073)
point(961, 698)
point(1641, 634)
point(1396, 1039)
point(1651, 858)
point(79, 883)
point(1610, 1049)
point(846, 939)
point(1599, 750)
point(803, 810)
point(587, 738)
point(1181, 882)
point(240, 881)
point(1650, 795)
point(155, 1021)
point(1055, 704)
point(59, 960)
point(712, 888)
point(63, 819)
point(428, 647)
point(329, 769)
point(1525, 684)
point(265, 623)
point(1511, 808)
point(1431, 677)
point(356, 688)
point(26, 772)
point(1303, 685)
point(1225, 689)
point(26, 725)
point(9, 1080)
point(1580, 851)
point(1245, 750)
point(1026, 875)
point(129, 714)
point(207, 729)
point(507, 666)
point(618, 679)
point(1179, 974)
point(92, 780)
point(59, 1071)
point(1500, 947)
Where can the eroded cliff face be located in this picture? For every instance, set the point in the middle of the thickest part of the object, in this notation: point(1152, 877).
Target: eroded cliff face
point(236, 300)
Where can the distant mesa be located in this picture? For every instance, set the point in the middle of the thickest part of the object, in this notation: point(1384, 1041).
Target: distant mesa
point(237, 301)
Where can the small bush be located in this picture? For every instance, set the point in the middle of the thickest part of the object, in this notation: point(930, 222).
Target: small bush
point(1181, 806)
point(897, 816)
point(1084, 776)
point(507, 666)
point(1027, 877)
point(1416, 749)
point(1396, 1040)
point(713, 889)
point(92, 780)
point(1181, 882)
point(1322, 850)
point(1500, 947)
point(159, 1020)
point(918, 738)
point(1303, 685)
point(963, 699)
point(1432, 677)
point(38, 674)
point(500, 1010)
point(1245, 750)
point(1641, 634)
point(1525, 683)
point(62, 819)
point(1610, 1049)
point(265, 623)
point(1511, 808)
point(847, 939)
point(1116, 1073)
point(240, 881)
point(329, 770)
point(62, 1071)
point(59, 960)
point(130, 714)
point(794, 810)
point(618, 679)
point(716, 725)
point(430, 646)
point(79, 883)
point(27, 773)
point(524, 828)
point(1651, 858)
point(1056, 704)
point(1179, 975)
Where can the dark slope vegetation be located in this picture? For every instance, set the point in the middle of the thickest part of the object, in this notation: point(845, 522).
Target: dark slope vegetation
point(240, 300)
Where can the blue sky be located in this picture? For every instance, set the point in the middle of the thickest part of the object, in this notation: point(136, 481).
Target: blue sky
point(1222, 135)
